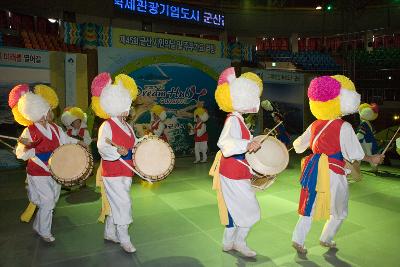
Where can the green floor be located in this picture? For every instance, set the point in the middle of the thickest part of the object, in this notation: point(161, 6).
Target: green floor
point(176, 224)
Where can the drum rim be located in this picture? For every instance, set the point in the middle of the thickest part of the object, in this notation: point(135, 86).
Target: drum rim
point(76, 179)
point(155, 177)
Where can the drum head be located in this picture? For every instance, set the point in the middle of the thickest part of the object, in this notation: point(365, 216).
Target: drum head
point(69, 163)
point(272, 158)
point(154, 158)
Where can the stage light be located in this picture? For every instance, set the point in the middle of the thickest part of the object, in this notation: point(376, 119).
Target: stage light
point(256, 48)
point(390, 77)
point(318, 8)
point(273, 64)
point(329, 7)
point(52, 20)
point(396, 117)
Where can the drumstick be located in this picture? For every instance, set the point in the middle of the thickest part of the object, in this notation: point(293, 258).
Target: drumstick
point(8, 137)
point(265, 137)
point(125, 163)
point(390, 142)
point(6, 144)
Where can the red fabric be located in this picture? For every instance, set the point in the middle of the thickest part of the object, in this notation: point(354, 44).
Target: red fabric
point(43, 145)
point(154, 126)
point(231, 167)
point(201, 138)
point(329, 142)
point(120, 138)
point(81, 132)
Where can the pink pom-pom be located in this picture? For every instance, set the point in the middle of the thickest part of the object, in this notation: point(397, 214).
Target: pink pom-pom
point(227, 76)
point(99, 82)
point(323, 88)
point(16, 93)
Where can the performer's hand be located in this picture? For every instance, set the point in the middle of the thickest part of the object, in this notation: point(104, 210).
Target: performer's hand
point(253, 146)
point(122, 151)
point(24, 141)
point(377, 159)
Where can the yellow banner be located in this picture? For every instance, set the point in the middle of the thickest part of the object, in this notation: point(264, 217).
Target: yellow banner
point(124, 38)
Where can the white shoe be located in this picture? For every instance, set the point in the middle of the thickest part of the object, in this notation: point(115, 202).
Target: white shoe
point(204, 161)
point(111, 239)
point(48, 239)
point(128, 247)
point(244, 250)
point(227, 247)
point(196, 161)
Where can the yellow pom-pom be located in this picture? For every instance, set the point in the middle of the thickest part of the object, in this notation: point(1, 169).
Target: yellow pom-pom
point(157, 109)
point(48, 94)
point(328, 110)
point(77, 112)
point(199, 111)
point(223, 97)
point(97, 108)
point(255, 78)
point(363, 106)
point(129, 84)
point(345, 82)
point(19, 118)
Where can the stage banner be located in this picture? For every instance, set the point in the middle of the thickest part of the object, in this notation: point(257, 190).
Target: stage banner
point(178, 83)
point(124, 38)
point(26, 58)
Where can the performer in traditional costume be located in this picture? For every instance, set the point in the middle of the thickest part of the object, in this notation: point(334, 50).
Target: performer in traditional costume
point(37, 142)
point(282, 134)
point(157, 124)
point(324, 189)
point(238, 206)
point(200, 134)
point(365, 132)
point(116, 139)
point(75, 120)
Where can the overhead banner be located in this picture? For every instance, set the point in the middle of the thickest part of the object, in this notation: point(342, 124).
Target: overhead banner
point(124, 38)
point(26, 58)
point(178, 83)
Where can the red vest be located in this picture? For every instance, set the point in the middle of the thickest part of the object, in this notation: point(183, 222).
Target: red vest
point(80, 135)
point(201, 138)
point(154, 127)
point(43, 146)
point(329, 142)
point(230, 167)
point(117, 168)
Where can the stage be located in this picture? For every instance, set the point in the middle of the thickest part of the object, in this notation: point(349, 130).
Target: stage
point(176, 224)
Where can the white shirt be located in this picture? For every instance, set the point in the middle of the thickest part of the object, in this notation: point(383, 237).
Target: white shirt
point(107, 151)
point(349, 145)
point(47, 132)
point(86, 136)
point(230, 141)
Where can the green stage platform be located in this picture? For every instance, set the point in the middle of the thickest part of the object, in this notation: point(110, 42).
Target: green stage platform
point(176, 224)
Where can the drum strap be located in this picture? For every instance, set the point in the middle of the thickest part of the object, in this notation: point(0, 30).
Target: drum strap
point(319, 134)
point(55, 133)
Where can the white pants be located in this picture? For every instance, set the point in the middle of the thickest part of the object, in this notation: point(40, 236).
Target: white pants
point(44, 192)
point(240, 199)
point(339, 209)
point(200, 147)
point(117, 223)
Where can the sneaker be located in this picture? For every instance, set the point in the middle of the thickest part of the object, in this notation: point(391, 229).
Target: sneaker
point(331, 244)
point(111, 239)
point(227, 247)
point(48, 239)
point(299, 248)
point(245, 251)
point(128, 247)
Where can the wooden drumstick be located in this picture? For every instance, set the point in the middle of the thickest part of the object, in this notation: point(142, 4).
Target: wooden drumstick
point(8, 137)
point(110, 142)
point(390, 142)
point(266, 136)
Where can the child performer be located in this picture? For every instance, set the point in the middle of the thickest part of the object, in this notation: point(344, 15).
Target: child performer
point(200, 134)
point(116, 139)
point(238, 206)
point(37, 142)
point(324, 194)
